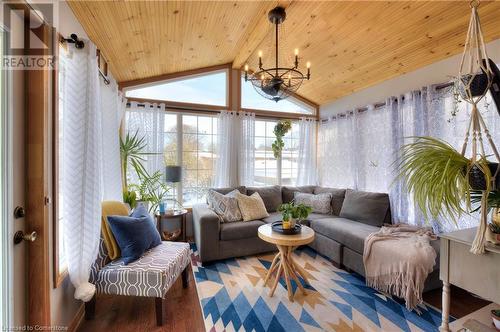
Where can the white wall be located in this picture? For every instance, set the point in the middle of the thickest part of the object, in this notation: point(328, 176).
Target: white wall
point(437, 72)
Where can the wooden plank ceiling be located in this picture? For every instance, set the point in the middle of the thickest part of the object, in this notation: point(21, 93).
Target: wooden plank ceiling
point(351, 45)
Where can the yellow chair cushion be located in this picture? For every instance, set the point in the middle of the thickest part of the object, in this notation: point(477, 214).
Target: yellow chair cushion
point(111, 208)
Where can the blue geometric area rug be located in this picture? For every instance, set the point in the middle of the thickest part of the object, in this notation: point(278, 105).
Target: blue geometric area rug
point(233, 298)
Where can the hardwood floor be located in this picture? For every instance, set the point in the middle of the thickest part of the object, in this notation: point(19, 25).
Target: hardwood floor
point(462, 302)
point(124, 314)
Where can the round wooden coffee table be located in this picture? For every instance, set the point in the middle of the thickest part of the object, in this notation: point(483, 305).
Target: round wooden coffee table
point(283, 262)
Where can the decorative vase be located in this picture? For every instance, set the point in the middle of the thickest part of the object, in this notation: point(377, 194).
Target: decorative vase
point(286, 224)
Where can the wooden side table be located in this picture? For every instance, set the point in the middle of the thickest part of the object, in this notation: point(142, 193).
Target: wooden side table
point(283, 261)
point(478, 274)
point(170, 216)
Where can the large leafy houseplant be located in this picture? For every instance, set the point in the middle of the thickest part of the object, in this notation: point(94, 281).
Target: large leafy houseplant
point(438, 177)
point(151, 187)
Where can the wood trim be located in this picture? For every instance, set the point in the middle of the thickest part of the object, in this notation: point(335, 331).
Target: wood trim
point(180, 106)
point(37, 195)
point(77, 320)
point(166, 77)
point(278, 115)
point(58, 278)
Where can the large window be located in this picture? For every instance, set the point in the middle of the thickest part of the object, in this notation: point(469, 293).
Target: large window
point(188, 140)
point(198, 156)
point(205, 89)
point(250, 99)
point(267, 169)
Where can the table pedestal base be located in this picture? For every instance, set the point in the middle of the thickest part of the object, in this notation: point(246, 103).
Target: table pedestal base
point(285, 266)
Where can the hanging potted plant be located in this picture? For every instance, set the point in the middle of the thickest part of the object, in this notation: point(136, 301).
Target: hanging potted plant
point(280, 130)
point(441, 178)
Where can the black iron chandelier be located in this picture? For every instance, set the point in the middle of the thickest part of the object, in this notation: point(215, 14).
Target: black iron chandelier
point(277, 83)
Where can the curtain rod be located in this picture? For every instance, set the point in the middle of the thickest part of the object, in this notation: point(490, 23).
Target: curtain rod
point(381, 104)
point(207, 111)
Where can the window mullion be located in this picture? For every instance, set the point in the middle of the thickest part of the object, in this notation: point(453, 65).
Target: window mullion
point(179, 155)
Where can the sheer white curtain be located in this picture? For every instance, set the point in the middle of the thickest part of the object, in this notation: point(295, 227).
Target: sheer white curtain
point(226, 163)
point(336, 163)
point(359, 150)
point(307, 170)
point(148, 121)
point(82, 160)
point(235, 149)
point(246, 161)
point(112, 112)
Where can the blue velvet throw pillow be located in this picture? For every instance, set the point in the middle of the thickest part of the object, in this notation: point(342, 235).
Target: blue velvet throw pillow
point(134, 234)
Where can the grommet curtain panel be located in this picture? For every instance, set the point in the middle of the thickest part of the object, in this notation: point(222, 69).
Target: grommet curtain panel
point(359, 149)
point(89, 160)
point(307, 170)
point(235, 148)
point(148, 121)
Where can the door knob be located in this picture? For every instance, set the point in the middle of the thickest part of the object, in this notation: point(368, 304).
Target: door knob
point(20, 236)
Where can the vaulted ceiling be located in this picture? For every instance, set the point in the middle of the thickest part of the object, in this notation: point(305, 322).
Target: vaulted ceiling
point(351, 45)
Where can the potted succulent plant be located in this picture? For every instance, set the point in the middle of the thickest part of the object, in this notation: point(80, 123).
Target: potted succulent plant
point(292, 213)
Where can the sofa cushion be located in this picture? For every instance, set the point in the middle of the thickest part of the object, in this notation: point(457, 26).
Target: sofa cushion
point(134, 234)
point(239, 230)
point(287, 193)
point(252, 207)
point(276, 216)
point(350, 233)
point(320, 203)
point(368, 208)
point(270, 195)
point(337, 197)
point(273, 216)
point(226, 206)
point(224, 191)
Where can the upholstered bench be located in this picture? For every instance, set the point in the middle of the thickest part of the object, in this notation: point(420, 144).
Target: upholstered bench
point(152, 275)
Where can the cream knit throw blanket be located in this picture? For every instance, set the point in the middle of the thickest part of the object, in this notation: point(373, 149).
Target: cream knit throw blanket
point(398, 259)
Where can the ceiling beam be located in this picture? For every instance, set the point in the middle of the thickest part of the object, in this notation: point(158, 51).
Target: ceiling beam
point(258, 34)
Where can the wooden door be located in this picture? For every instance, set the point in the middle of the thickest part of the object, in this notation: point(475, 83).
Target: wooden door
point(30, 100)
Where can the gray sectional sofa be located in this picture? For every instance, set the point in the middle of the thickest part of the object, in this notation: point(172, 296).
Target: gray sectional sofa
point(339, 236)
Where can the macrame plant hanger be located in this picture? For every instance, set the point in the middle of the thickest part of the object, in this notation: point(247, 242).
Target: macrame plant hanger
point(475, 72)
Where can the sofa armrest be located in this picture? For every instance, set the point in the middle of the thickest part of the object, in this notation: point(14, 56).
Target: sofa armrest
point(206, 226)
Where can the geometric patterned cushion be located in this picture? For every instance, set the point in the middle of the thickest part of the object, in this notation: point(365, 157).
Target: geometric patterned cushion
point(149, 276)
point(226, 206)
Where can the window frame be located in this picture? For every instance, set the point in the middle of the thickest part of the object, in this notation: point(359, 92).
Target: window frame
point(58, 275)
point(147, 82)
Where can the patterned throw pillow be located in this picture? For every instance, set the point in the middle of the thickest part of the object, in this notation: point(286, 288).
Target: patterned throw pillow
point(320, 203)
point(251, 207)
point(226, 206)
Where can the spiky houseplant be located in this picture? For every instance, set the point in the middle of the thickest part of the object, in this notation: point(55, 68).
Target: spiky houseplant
point(438, 177)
